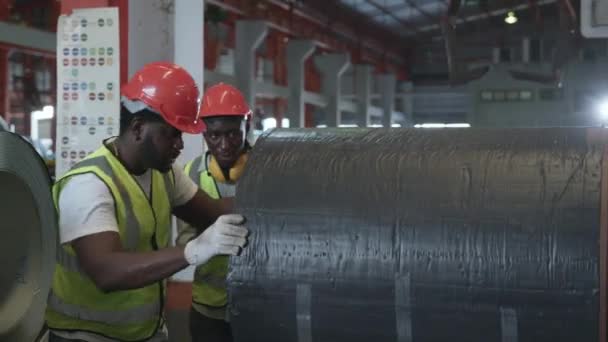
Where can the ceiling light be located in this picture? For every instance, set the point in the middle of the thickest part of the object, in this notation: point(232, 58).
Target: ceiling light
point(511, 18)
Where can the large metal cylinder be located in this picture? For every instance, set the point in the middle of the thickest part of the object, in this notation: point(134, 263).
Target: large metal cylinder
point(28, 228)
point(417, 235)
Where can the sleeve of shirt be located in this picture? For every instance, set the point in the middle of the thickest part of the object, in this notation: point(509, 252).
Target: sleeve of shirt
point(86, 207)
point(185, 188)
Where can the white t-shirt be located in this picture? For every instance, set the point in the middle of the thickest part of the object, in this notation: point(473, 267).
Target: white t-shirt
point(87, 207)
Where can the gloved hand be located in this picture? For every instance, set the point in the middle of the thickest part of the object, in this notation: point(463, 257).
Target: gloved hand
point(225, 237)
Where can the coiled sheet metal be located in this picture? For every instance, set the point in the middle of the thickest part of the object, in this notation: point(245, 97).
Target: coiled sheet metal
point(414, 235)
point(28, 228)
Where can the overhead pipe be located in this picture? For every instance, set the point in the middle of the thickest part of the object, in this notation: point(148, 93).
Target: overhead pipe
point(385, 11)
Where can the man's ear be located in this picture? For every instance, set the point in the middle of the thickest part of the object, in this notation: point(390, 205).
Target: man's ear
point(137, 127)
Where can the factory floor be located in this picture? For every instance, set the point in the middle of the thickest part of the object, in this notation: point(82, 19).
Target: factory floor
point(177, 309)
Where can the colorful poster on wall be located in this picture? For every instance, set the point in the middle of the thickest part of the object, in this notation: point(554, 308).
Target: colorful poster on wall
point(88, 76)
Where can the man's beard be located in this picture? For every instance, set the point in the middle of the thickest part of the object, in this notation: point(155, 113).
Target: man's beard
point(154, 158)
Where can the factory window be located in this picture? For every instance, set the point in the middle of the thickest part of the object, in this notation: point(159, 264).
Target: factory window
point(506, 95)
point(526, 95)
point(486, 95)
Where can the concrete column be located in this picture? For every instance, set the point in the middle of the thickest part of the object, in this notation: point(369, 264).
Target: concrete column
point(297, 52)
point(151, 34)
point(386, 84)
point(525, 50)
point(332, 66)
point(175, 34)
point(188, 53)
point(249, 35)
point(495, 55)
point(407, 105)
point(363, 76)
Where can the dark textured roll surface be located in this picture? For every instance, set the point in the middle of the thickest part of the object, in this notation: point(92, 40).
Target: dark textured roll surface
point(419, 235)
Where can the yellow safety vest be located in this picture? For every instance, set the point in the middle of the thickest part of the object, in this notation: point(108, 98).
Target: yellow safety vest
point(75, 303)
point(209, 294)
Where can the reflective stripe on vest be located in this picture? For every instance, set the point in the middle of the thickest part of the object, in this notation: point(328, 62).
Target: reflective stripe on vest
point(75, 303)
point(133, 316)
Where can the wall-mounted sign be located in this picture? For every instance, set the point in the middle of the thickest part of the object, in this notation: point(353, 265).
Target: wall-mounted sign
point(87, 79)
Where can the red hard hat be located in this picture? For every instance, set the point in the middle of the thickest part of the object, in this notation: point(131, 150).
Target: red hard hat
point(169, 90)
point(224, 100)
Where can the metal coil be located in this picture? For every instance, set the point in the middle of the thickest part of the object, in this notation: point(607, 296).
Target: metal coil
point(29, 237)
point(422, 235)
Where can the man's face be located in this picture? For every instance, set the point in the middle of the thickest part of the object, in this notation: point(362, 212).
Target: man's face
point(162, 144)
point(225, 139)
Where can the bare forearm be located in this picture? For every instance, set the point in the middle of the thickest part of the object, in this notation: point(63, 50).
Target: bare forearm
point(129, 270)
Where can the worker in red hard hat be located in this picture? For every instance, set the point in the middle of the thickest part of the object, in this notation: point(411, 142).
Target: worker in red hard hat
point(227, 122)
point(115, 208)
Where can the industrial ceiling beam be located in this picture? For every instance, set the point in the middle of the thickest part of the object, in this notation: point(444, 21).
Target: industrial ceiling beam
point(386, 11)
point(309, 19)
point(421, 11)
point(453, 7)
point(28, 38)
point(484, 15)
point(361, 24)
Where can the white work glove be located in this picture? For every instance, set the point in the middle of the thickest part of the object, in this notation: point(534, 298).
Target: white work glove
point(225, 237)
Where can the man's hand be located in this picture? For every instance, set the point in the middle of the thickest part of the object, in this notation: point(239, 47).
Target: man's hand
point(225, 237)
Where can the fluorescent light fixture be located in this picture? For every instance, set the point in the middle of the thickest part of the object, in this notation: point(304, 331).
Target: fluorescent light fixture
point(511, 18)
point(458, 125)
point(321, 126)
point(285, 122)
point(347, 125)
point(442, 125)
point(396, 125)
point(430, 125)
